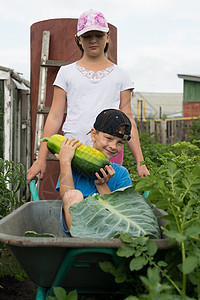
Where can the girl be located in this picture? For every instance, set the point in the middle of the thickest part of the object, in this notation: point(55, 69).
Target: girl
point(89, 86)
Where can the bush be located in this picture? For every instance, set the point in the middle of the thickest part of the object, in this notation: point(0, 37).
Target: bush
point(10, 182)
point(174, 185)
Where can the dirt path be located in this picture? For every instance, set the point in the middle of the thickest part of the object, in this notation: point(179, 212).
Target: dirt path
point(13, 289)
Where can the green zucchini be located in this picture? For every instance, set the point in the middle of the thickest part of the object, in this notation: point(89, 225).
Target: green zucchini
point(87, 160)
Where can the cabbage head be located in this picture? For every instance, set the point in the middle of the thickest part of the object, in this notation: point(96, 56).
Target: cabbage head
point(121, 211)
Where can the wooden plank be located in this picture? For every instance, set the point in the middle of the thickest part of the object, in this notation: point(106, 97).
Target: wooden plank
point(158, 135)
point(168, 132)
point(46, 110)
point(53, 63)
point(163, 132)
point(152, 129)
point(172, 132)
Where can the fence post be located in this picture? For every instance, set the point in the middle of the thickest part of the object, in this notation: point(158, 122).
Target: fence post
point(152, 128)
point(163, 132)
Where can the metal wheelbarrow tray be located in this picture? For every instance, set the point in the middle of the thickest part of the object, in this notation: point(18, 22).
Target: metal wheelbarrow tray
point(68, 262)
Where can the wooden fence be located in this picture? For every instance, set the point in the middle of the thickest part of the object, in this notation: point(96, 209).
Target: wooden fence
point(168, 130)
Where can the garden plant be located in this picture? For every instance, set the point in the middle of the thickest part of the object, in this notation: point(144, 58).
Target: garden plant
point(174, 186)
point(11, 180)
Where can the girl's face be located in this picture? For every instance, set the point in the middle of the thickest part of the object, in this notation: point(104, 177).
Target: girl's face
point(94, 42)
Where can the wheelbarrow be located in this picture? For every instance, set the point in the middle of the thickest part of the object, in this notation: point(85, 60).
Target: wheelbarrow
point(72, 263)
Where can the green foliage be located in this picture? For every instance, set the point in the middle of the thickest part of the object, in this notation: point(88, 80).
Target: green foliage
point(194, 130)
point(174, 185)
point(10, 182)
point(155, 289)
point(9, 264)
point(150, 148)
point(60, 294)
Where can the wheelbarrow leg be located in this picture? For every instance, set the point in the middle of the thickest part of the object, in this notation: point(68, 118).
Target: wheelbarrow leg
point(69, 261)
point(41, 293)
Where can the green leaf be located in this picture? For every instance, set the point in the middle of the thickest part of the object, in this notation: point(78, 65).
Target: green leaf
point(172, 168)
point(190, 264)
point(185, 182)
point(126, 250)
point(151, 248)
point(72, 295)
point(196, 171)
point(120, 275)
point(162, 263)
point(36, 235)
point(126, 237)
point(107, 267)
point(176, 235)
point(60, 293)
point(142, 185)
point(119, 212)
point(138, 263)
point(194, 229)
point(142, 240)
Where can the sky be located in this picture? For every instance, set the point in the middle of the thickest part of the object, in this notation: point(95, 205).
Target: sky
point(156, 39)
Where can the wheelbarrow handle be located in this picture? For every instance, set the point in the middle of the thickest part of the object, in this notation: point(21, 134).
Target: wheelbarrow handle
point(146, 194)
point(33, 189)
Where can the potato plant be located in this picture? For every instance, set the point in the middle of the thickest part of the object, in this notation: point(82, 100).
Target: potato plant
point(174, 185)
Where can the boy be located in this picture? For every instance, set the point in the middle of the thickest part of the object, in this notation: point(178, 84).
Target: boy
point(112, 129)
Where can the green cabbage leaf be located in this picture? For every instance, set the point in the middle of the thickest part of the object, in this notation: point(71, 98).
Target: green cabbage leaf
point(121, 211)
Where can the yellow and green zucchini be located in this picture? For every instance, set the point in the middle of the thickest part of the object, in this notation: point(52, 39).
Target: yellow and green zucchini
point(86, 160)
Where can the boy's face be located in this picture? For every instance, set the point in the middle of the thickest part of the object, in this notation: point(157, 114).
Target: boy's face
point(108, 144)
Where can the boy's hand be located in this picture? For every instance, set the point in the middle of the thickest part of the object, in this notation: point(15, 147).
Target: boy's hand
point(108, 173)
point(67, 150)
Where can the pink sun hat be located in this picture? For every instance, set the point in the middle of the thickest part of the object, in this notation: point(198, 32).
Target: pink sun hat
point(91, 20)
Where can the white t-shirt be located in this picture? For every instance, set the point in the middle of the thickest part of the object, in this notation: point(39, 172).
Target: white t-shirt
point(89, 93)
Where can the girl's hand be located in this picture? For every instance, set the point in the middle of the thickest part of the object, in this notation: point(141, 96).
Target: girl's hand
point(142, 171)
point(67, 150)
point(108, 173)
point(37, 167)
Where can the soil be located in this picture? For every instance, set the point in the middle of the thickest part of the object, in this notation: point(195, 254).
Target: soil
point(10, 287)
point(13, 289)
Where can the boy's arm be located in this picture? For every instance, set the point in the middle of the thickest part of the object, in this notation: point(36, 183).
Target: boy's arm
point(72, 197)
point(100, 182)
point(66, 179)
point(65, 157)
point(103, 189)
